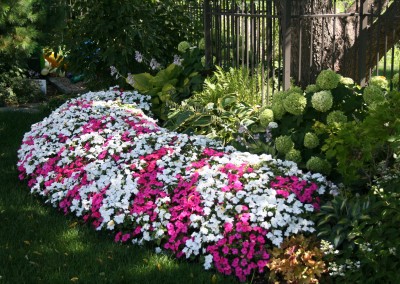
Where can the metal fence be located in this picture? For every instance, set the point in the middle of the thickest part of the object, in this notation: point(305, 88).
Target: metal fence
point(268, 39)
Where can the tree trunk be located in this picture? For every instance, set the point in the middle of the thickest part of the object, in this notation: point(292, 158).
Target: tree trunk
point(344, 44)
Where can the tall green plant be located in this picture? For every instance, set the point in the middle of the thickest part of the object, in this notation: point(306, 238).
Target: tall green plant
point(108, 32)
point(225, 107)
point(18, 32)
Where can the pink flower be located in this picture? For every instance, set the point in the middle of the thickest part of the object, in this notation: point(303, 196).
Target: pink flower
point(228, 227)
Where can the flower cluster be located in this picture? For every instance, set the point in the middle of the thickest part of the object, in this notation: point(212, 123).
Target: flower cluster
point(293, 155)
point(183, 46)
point(396, 80)
point(277, 104)
point(284, 144)
point(318, 165)
point(312, 88)
point(347, 81)
point(295, 103)
point(311, 140)
point(379, 81)
point(266, 116)
point(100, 158)
point(373, 94)
point(336, 116)
point(327, 80)
point(322, 101)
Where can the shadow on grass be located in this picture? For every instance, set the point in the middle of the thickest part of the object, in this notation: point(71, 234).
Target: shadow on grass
point(38, 244)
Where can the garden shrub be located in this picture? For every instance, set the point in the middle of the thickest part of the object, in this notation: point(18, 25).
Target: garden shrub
point(178, 81)
point(221, 110)
point(358, 160)
point(19, 39)
point(15, 89)
point(107, 33)
point(99, 157)
point(318, 129)
point(364, 231)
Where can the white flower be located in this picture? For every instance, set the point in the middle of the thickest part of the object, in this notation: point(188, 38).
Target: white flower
point(177, 60)
point(208, 261)
point(154, 64)
point(138, 56)
point(119, 218)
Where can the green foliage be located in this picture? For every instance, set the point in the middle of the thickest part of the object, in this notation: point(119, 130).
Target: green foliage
point(15, 89)
point(234, 81)
point(18, 31)
point(173, 84)
point(107, 33)
point(358, 160)
point(221, 110)
point(365, 230)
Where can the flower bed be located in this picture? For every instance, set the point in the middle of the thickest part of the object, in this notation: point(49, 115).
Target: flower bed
point(102, 159)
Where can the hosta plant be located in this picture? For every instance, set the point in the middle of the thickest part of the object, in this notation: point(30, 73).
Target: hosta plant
point(172, 84)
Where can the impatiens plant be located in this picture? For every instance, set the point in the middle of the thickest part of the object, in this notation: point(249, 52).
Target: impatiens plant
point(100, 158)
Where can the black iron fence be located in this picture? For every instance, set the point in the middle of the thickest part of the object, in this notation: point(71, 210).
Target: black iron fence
point(282, 41)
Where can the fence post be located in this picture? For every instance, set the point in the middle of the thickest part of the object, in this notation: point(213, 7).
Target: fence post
point(207, 33)
point(362, 52)
point(286, 41)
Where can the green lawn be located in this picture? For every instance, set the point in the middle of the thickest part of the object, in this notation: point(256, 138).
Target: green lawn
point(38, 244)
point(388, 71)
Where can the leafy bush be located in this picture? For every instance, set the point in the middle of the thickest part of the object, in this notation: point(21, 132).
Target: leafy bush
point(15, 89)
point(364, 229)
point(319, 129)
point(107, 33)
point(221, 110)
point(178, 81)
point(18, 31)
point(359, 160)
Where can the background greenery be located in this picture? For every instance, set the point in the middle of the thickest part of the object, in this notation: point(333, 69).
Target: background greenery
point(107, 33)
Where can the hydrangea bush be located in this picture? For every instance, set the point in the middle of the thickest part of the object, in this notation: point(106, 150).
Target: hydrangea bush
point(101, 158)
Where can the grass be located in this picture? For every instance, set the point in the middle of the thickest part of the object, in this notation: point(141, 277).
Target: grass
point(387, 72)
point(38, 244)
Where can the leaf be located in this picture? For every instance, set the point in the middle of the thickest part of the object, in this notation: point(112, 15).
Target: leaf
point(142, 82)
point(338, 240)
point(344, 221)
point(183, 117)
point(324, 233)
point(328, 208)
point(202, 121)
point(227, 101)
point(73, 225)
point(169, 74)
point(325, 220)
point(74, 279)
